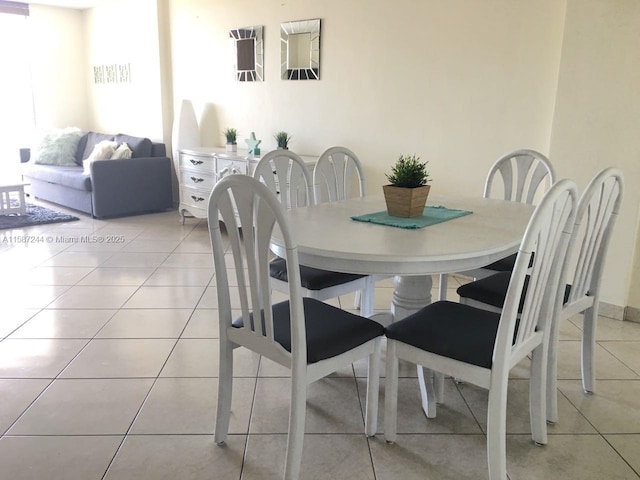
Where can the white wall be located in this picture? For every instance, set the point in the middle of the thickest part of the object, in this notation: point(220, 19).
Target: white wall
point(58, 67)
point(458, 82)
point(597, 117)
point(121, 32)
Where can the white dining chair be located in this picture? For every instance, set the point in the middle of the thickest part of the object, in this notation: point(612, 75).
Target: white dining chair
point(481, 347)
point(520, 176)
point(525, 175)
point(311, 338)
point(582, 276)
point(286, 174)
point(338, 175)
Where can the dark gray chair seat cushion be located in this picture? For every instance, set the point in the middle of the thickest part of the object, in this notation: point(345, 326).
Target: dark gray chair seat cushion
point(311, 278)
point(72, 177)
point(452, 330)
point(330, 330)
point(492, 290)
point(504, 264)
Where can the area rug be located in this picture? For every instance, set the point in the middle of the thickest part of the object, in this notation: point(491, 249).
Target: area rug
point(36, 215)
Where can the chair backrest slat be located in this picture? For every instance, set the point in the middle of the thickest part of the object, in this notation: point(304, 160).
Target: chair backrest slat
point(336, 172)
point(286, 175)
point(525, 175)
point(539, 258)
point(251, 212)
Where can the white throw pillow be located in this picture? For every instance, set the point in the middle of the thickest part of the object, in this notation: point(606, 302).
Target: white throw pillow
point(102, 151)
point(123, 151)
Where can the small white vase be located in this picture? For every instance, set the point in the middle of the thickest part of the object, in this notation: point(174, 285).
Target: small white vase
point(232, 147)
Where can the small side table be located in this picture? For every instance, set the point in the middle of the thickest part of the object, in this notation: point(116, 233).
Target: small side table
point(6, 191)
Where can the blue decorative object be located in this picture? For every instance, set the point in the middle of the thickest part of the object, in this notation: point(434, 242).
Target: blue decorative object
point(252, 144)
point(430, 216)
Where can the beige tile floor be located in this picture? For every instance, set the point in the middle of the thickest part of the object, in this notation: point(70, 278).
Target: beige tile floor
point(108, 370)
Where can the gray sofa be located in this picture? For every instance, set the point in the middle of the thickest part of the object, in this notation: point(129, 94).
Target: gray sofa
point(114, 188)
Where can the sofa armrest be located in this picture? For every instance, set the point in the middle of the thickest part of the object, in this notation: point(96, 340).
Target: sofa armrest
point(25, 155)
point(131, 186)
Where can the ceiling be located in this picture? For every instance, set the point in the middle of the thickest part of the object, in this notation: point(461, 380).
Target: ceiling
point(79, 4)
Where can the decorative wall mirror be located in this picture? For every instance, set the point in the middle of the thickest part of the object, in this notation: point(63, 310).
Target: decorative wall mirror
point(300, 50)
point(248, 53)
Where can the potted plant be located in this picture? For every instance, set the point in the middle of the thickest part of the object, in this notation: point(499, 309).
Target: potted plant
point(231, 135)
point(407, 192)
point(283, 140)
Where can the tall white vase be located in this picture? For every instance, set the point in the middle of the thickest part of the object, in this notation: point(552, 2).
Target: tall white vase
point(186, 133)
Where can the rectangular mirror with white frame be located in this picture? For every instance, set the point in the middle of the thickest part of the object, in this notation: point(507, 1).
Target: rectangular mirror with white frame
point(248, 48)
point(300, 50)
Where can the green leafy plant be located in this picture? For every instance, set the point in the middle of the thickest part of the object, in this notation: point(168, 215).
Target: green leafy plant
point(409, 172)
point(231, 134)
point(283, 139)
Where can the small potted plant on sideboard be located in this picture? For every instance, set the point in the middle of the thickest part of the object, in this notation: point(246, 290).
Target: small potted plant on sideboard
point(231, 136)
point(283, 140)
point(407, 192)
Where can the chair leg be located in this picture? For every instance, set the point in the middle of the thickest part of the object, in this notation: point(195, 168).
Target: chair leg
point(537, 396)
point(366, 298)
point(391, 394)
point(427, 391)
point(589, 348)
point(496, 431)
point(295, 439)
point(552, 372)
point(356, 300)
point(225, 388)
point(373, 391)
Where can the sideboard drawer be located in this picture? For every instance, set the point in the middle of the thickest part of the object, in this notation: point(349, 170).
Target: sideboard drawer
point(199, 163)
point(195, 179)
point(195, 197)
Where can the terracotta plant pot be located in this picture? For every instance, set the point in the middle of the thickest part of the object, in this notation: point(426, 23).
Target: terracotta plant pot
point(405, 202)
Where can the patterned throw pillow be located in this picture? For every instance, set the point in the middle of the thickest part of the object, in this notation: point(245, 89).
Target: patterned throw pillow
point(57, 147)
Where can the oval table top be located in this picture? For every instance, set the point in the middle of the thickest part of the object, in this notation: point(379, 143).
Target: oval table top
point(328, 238)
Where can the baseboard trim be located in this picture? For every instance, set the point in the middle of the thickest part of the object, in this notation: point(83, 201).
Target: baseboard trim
point(632, 314)
point(610, 310)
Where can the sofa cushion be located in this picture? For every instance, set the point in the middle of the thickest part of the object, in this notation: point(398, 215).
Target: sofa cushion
point(71, 177)
point(93, 139)
point(140, 147)
point(57, 147)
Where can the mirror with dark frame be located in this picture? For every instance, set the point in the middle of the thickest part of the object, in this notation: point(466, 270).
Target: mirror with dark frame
point(248, 53)
point(300, 50)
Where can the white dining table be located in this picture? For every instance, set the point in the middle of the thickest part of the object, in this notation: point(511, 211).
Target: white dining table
point(328, 238)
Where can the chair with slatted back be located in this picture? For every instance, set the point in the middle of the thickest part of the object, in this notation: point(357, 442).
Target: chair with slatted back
point(524, 177)
point(597, 214)
point(311, 338)
point(285, 174)
point(481, 347)
point(338, 175)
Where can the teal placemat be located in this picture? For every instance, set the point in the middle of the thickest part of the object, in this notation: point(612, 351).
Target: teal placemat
point(430, 216)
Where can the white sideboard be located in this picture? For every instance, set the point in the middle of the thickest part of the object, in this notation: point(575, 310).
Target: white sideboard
point(199, 168)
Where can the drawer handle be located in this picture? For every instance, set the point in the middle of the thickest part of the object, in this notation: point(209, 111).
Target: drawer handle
point(197, 199)
point(197, 180)
point(196, 162)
